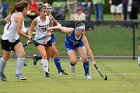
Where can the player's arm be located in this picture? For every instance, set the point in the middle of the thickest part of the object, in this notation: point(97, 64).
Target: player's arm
point(61, 28)
point(19, 20)
point(55, 21)
point(33, 24)
point(88, 49)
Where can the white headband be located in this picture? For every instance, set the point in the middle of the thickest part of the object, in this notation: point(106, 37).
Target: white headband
point(80, 27)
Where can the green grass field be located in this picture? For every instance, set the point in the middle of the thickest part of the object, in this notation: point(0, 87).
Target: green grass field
point(123, 77)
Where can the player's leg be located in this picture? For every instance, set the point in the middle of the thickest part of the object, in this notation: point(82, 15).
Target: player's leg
point(3, 61)
point(49, 53)
point(73, 59)
point(83, 54)
point(24, 62)
point(44, 62)
point(57, 62)
point(6, 46)
point(20, 61)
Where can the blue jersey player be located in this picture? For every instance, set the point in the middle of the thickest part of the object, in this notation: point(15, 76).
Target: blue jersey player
point(76, 41)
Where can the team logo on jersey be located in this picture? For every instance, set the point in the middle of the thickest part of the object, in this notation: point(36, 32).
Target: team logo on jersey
point(43, 27)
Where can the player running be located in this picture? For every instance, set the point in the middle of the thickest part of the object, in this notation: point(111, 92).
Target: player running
point(55, 53)
point(44, 45)
point(10, 40)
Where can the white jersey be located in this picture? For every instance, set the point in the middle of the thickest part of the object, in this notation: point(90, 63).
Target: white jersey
point(10, 30)
point(41, 30)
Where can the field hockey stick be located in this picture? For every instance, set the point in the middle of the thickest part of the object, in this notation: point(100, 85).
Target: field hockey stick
point(33, 40)
point(103, 76)
point(30, 42)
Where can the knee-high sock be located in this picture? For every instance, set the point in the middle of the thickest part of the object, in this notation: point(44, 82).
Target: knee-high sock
point(2, 65)
point(58, 64)
point(86, 67)
point(45, 65)
point(20, 62)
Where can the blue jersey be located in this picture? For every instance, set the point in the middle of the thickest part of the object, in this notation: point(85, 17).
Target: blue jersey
point(72, 43)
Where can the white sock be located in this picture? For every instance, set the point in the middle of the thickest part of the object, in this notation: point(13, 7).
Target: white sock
point(2, 64)
point(45, 65)
point(20, 62)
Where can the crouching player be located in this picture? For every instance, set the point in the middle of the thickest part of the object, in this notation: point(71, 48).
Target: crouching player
point(76, 41)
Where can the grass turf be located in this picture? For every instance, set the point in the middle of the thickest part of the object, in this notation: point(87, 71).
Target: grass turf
point(123, 77)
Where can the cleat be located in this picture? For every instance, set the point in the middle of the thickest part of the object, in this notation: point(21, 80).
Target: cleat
point(59, 73)
point(20, 77)
point(3, 77)
point(88, 77)
point(72, 68)
point(35, 59)
point(62, 72)
point(25, 64)
point(47, 74)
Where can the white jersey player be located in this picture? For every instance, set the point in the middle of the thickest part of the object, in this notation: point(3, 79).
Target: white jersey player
point(10, 40)
point(43, 45)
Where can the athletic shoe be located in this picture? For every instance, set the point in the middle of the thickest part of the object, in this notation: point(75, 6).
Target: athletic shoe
point(62, 72)
point(47, 74)
point(72, 68)
point(88, 77)
point(3, 77)
point(20, 76)
point(35, 59)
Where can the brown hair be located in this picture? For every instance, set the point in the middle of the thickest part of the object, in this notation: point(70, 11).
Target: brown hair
point(41, 7)
point(20, 6)
point(79, 23)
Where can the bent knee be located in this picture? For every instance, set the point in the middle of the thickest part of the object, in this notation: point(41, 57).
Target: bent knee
point(84, 58)
point(74, 61)
point(6, 58)
point(21, 55)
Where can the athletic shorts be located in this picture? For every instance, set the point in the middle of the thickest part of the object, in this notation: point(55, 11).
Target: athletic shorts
point(49, 44)
point(116, 8)
point(8, 46)
point(73, 47)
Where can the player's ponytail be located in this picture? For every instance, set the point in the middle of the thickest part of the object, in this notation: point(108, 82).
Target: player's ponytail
point(20, 6)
